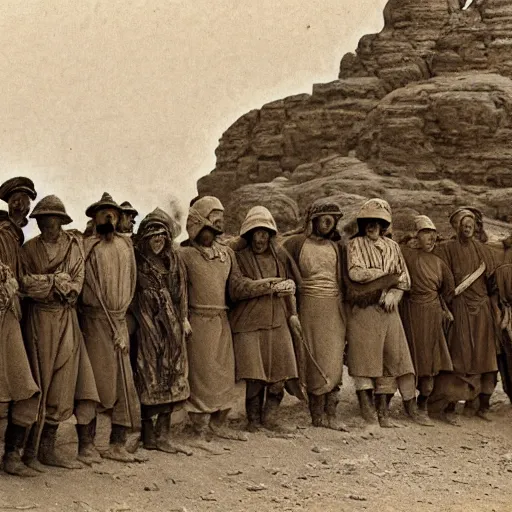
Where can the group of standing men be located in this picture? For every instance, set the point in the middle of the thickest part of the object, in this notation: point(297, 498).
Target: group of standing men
point(131, 324)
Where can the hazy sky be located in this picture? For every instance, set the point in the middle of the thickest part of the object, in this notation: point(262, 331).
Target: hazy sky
point(131, 96)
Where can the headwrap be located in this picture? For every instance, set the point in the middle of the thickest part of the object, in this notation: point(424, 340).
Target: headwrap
point(158, 222)
point(258, 217)
point(423, 222)
point(198, 216)
point(318, 208)
point(457, 216)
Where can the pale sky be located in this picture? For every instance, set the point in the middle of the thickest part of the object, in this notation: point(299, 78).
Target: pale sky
point(131, 96)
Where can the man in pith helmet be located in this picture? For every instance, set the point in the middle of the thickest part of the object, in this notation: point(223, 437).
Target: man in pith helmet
point(424, 311)
point(316, 258)
point(264, 350)
point(109, 287)
point(378, 354)
point(127, 220)
point(53, 280)
point(212, 270)
point(19, 394)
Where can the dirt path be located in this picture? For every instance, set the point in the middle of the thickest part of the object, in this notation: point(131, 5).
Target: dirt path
point(412, 468)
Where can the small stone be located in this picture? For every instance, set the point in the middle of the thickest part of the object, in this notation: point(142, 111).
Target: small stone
point(355, 497)
point(257, 487)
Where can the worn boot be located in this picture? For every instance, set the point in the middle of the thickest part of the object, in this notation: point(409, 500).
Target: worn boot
point(423, 411)
point(162, 432)
point(47, 454)
point(254, 412)
point(382, 404)
point(484, 407)
point(450, 416)
point(14, 441)
point(87, 452)
point(332, 400)
point(220, 429)
point(117, 449)
point(148, 434)
point(270, 413)
point(366, 406)
point(317, 410)
point(470, 407)
point(411, 409)
point(202, 438)
point(29, 453)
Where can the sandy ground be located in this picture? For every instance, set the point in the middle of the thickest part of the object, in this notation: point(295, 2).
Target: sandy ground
point(411, 468)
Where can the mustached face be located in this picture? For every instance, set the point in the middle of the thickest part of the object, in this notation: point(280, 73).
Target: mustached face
point(260, 241)
point(427, 239)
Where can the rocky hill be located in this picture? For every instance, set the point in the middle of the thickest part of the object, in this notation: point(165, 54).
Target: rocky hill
point(421, 115)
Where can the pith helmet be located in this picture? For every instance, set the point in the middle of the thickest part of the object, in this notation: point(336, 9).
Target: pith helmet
point(51, 205)
point(375, 209)
point(106, 201)
point(258, 217)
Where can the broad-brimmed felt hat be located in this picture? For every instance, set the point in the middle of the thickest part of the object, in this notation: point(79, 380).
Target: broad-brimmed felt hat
point(51, 205)
point(106, 201)
point(128, 208)
point(18, 184)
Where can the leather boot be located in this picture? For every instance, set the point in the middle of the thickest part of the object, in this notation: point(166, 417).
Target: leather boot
point(148, 434)
point(162, 433)
point(366, 406)
point(219, 428)
point(332, 399)
point(117, 448)
point(317, 410)
point(254, 412)
point(47, 454)
point(14, 441)
point(29, 453)
point(382, 404)
point(484, 407)
point(270, 413)
point(87, 452)
point(411, 409)
point(423, 411)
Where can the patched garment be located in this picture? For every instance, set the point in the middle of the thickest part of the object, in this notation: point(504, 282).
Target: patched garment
point(377, 346)
point(422, 311)
point(160, 307)
point(321, 313)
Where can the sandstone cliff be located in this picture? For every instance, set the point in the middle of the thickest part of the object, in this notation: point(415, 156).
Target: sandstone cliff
point(421, 114)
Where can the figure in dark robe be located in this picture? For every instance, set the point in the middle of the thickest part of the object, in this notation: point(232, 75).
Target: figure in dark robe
point(52, 281)
point(213, 275)
point(109, 287)
point(19, 393)
point(264, 348)
point(472, 338)
point(160, 308)
point(317, 261)
point(424, 311)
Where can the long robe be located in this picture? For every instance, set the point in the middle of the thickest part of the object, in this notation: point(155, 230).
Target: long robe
point(377, 345)
point(110, 274)
point(210, 346)
point(50, 324)
point(321, 311)
point(263, 343)
point(160, 308)
point(422, 312)
point(16, 380)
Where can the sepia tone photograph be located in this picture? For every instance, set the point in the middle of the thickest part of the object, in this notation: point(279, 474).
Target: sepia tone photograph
point(256, 256)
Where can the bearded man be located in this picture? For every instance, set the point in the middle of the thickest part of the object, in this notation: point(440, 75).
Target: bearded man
point(424, 311)
point(127, 220)
point(53, 279)
point(19, 394)
point(264, 349)
point(109, 287)
point(472, 337)
point(316, 258)
point(213, 273)
point(378, 355)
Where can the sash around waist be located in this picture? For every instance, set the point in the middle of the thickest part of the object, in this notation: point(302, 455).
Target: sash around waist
point(98, 312)
point(322, 288)
point(203, 310)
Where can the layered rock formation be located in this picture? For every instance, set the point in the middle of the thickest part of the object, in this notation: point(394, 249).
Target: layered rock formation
point(420, 115)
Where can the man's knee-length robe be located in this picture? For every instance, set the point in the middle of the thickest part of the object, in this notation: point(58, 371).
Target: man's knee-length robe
point(422, 312)
point(52, 334)
point(110, 279)
point(16, 381)
point(212, 276)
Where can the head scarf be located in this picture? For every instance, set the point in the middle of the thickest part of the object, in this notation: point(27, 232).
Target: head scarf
point(198, 215)
point(460, 214)
point(258, 217)
point(321, 207)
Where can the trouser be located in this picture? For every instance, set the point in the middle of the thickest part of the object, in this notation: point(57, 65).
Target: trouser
point(255, 387)
point(388, 385)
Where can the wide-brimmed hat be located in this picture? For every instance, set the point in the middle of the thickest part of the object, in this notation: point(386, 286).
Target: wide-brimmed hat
point(51, 205)
point(423, 222)
point(106, 201)
point(18, 184)
point(375, 209)
point(258, 217)
point(126, 207)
